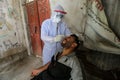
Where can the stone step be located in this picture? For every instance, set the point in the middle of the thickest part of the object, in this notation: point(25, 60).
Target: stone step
point(21, 69)
point(12, 56)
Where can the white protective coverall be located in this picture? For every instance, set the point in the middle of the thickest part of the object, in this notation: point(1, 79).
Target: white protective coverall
point(52, 32)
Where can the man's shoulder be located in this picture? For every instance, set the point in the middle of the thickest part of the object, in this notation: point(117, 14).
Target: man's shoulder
point(73, 57)
point(71, 54)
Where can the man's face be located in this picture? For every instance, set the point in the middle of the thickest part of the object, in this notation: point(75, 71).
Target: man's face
point(67, 42)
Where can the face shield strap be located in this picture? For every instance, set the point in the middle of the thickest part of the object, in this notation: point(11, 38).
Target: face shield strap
point(60, 11)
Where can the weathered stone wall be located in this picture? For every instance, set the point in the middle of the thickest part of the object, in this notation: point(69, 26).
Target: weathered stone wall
point(9, 59)
point(11, 27)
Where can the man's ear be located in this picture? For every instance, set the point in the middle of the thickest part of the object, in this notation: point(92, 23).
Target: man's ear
point(74, 44)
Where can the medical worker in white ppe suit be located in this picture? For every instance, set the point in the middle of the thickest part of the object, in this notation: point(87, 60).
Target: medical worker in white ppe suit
point(53, 30)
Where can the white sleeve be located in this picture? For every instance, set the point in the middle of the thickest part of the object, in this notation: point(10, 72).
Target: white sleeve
point(45, 31)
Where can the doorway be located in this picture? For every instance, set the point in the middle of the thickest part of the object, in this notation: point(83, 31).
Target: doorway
point(37, 12)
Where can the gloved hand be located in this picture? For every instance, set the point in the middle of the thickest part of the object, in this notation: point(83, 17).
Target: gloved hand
point(58, 38)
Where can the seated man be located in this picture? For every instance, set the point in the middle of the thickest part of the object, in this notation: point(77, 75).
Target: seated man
point(67, 58)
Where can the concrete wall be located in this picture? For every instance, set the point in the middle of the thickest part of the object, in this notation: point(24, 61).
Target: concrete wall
point(12, 33)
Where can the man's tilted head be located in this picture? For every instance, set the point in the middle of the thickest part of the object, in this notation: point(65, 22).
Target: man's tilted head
point(71, 41)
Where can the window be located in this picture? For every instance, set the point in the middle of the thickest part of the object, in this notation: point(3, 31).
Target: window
point(31, 0)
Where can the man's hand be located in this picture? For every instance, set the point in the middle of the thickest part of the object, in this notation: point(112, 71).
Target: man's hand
point(35, 72)
point(39, 70)
point(99, 5)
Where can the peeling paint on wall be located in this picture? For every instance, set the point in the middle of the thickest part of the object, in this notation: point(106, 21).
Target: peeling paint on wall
point(10, 25)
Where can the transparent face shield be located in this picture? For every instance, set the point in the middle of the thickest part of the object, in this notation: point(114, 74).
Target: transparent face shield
point(58, 17)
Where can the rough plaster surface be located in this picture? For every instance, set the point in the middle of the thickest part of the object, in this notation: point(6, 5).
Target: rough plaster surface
point(8, 60)
point(11, 26)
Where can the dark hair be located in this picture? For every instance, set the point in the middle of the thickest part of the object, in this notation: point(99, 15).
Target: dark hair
point(76, 40)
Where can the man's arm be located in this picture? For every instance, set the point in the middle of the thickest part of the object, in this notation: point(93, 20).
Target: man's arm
point(39, 70)
point(76, 73)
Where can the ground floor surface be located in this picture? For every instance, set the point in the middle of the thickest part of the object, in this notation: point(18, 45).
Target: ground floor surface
point(20, 70)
